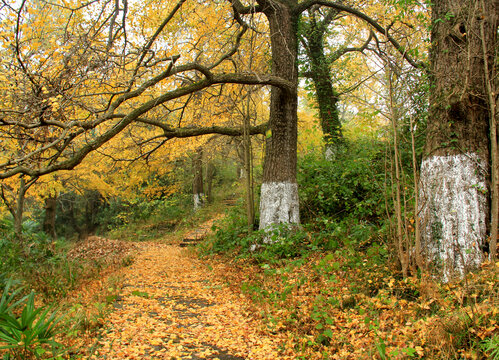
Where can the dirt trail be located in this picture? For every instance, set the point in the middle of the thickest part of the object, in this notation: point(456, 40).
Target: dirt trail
point(173, 307)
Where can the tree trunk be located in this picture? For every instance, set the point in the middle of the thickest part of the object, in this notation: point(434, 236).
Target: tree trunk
point(279, 192)
point(492, 85)
point(210, 174)
point(239, 145)
point(402, 241)
point(248, 166)
point(92, 206)
point(49, 219)
point(19, 210)
point(15, 205)
point(455, 167)
point(327, 98)
point(197, 187)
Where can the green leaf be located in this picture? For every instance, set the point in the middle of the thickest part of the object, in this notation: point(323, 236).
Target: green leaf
point(140, 293)
point(328, 333)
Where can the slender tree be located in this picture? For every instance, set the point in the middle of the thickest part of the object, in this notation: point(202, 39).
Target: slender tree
point(50, 216)
point(197, 185)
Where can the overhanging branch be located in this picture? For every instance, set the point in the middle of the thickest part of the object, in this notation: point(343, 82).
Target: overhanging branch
point(359, 14)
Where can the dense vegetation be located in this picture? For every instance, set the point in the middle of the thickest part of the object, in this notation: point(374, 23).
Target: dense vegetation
point(126, 124)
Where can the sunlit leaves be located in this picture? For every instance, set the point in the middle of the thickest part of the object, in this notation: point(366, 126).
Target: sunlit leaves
point(173, 308)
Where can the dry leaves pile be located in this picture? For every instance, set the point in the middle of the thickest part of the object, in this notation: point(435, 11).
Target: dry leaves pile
point(98, 249)
point(172, 307)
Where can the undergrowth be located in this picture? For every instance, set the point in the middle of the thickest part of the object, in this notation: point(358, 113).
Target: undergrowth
point(334, 287)
point(38, 270)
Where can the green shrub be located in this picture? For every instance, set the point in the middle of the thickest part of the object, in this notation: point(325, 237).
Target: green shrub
point(491, 347)
point(351, 185)
point(28, 333)
point(230, 234)
point(38, 261)
point(272, 245)
point(281, 242)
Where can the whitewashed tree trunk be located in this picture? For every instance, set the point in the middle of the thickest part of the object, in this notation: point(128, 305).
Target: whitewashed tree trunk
point(279, 204)
point(454, 208)
point(455, 168)
point(197, 187)
point(198, 200)
point(279, 193)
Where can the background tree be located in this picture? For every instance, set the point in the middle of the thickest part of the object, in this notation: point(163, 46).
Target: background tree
point(197, 183)
point(13, 195)
point(313, 29)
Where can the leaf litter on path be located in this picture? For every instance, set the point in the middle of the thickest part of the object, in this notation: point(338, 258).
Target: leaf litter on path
point(173, 307)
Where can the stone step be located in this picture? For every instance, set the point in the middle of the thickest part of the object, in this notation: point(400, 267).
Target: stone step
point(195, 236)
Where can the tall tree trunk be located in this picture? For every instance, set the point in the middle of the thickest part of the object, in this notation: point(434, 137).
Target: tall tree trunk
point(327, 98)
point(492, 85)
point(15, 205)
point(402, 241)
point(455, 167)
point(92, 205)
point(239, 145)
point(49, 218)
point(197, 186)
point(248, 166)
point(279, 192)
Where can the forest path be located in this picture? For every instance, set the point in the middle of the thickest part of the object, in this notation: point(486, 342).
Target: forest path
point(173, 306)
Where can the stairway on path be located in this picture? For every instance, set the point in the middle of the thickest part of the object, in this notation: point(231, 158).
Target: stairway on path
point(202, 231)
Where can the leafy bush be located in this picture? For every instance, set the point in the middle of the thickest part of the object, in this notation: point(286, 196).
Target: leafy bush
point(491, 347)
point(120, 212)
point(351, 185)
point(281, 242)
point(230, 234)
point(28, 333)
point(39, 261)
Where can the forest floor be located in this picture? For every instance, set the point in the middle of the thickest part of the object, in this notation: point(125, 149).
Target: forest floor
point(172, 305)
point(161, 301)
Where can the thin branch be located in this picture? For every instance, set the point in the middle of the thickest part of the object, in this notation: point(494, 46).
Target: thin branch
point(309, 3)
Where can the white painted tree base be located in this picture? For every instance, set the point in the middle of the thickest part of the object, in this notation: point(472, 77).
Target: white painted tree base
point(279, 204)
point(330, 153)
point(198, 200)
point(453, 211)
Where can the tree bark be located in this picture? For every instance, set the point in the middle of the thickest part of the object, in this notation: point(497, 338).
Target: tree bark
point(197, 187)
point(16, 205)
point(492, 82)
point(327, 98)
point(19, 210)
point(210, 174)
point(49, 218)
point(279, 192)
point(455, 167)
point(248, 166)
point(91, 221)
